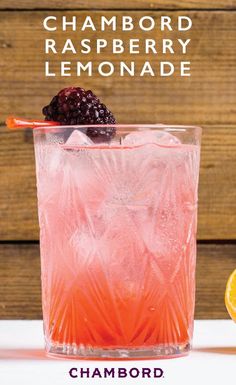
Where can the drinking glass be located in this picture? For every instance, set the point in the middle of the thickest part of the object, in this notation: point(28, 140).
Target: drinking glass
point(118, 224)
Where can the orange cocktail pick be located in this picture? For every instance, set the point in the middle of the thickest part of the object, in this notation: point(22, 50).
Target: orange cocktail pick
point(16, 123)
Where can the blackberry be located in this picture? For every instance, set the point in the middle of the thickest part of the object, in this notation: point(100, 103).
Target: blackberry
point(74, 105)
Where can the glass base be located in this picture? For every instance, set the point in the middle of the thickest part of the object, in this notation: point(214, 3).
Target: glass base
point(142, 353)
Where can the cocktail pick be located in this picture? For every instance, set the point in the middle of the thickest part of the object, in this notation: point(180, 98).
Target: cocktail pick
point(17, 123)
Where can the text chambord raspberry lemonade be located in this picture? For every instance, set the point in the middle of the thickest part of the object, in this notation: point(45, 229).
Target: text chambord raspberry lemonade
point(118, 239)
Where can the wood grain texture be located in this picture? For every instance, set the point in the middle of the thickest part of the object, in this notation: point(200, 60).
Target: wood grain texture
point(217, 193)
point(20, 294)
point(207, 97)
point(214, 265)
point(117, 4)
point(20, 291)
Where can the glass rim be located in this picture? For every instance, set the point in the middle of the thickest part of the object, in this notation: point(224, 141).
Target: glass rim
point(120, 126)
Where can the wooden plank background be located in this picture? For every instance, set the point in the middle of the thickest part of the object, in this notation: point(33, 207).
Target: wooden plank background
point(208, 99)
point(118, 4)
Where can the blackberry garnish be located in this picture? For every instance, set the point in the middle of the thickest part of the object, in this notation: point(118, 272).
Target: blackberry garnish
point(75, 106)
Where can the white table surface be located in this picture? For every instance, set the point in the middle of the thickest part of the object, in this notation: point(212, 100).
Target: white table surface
point(212, 361)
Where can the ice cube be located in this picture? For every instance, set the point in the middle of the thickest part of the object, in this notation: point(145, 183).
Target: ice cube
point(151, 136)
point(78, 138)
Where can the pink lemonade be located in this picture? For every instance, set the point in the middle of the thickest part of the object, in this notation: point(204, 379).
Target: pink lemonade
point(118, 242)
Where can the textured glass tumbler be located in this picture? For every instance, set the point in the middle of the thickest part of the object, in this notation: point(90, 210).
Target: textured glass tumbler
point(118, 239)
